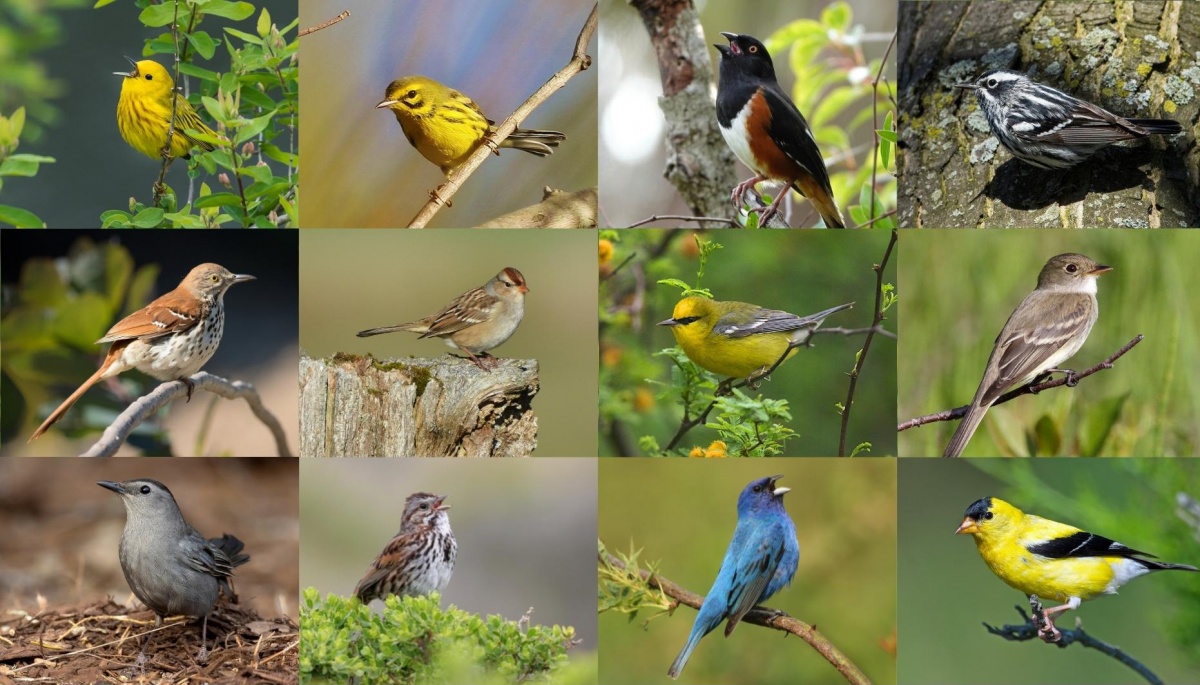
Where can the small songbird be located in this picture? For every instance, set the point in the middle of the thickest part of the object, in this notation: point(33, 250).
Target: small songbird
point(144, 112)
point(1045, 330)
point(766, 130)
point(1048, 128)
point(1052, 560)
point(420, 559)
point(737, 339)
point(761, 560)
point(476, 321)
point(446, 126)
point(169, 339)
point(171, 567)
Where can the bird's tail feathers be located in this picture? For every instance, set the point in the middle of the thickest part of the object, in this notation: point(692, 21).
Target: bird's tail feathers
point(966, 428)
point(412, 326)
point(232, 547)
point(1163, 126)
point(534, 141)
point(822, 199)
point(681, 660)
point(1165, 566)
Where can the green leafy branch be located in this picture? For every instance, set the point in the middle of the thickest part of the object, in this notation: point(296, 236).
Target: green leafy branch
point(12, 164)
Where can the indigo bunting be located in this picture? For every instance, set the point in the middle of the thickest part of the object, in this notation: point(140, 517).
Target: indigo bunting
point(761, 559)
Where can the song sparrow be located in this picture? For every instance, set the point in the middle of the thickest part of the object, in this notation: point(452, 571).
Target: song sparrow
point(420, 559)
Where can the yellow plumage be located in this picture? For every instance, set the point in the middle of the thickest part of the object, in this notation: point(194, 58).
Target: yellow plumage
point(446, 126)
point(1052, 560)
point(144, 112)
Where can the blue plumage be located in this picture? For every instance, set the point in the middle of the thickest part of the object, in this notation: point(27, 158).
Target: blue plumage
point(760, 561)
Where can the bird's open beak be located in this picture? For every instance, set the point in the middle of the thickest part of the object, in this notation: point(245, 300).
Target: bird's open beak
point(1100, 269)
point(969, 525)
point(668, 322)
point(438, 504)
point(385, 103)
point(780, 491)
point(128, 74)
point(732, 48)
point(242, 278)
point(110, 485)
point(966, 86)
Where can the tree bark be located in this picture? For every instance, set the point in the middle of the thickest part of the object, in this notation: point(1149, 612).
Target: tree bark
point(353, 406)
point(558, 209)
point(1136, 59)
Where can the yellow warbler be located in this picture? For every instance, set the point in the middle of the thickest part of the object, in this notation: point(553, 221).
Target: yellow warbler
point(144, 112)
point(446, 126)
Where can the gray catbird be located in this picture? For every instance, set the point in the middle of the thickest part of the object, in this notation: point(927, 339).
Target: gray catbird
point(169, 566)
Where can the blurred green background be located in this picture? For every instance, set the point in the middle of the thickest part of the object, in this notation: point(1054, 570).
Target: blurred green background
point(682, 515)
point(524, 531)
point(948, 590)
point(497, 53)
point(961, 286)
point(358, 279)
point(797, 271)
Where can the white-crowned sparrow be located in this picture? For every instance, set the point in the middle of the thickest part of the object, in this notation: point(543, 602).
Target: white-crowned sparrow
point(476, 321)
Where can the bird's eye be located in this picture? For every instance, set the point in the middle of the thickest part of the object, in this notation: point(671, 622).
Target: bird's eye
point(425, 505)
point(758, 488)
point(214, 278)
point(411, 94)
point(988, 515)
point(145, 489)
point(1071, 268)
point(752, 49)
point(992, 83)
point(149, 77)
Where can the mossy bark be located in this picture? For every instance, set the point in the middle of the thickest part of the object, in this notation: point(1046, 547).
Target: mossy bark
point(1136, 59)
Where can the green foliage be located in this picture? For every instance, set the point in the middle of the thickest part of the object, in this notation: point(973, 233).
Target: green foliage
point(51, 320)
point(836, 88)
point(17, 165)
point(623, 590)
point(27, 27)
point(414, 640)
point(253, 107)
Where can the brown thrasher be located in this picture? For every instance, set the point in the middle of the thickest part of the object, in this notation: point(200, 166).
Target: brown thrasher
point(170, 339)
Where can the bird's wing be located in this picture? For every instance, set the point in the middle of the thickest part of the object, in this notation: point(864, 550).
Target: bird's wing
point(171, 313)
point(792, 134)
point(736, 324)
point(1027, 341)
point(1054, 540)
point(755, 563)
point(203, 556)
point(466, 310)
point(1079, 123)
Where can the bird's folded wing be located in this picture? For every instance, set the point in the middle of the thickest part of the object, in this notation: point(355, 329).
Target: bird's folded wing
point(161, 317)
point(199, 554)
point(1059, 541)
point(467, 310)
point(755, 567)
point(1027, 342)
point(791, 133)
point(742, 324)
point(1086, 125)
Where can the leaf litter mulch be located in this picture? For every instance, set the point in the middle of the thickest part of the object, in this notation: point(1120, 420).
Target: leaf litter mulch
point(100, 643)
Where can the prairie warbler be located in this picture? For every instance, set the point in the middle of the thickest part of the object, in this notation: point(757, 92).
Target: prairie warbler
point(144, 112)
point(446, 126)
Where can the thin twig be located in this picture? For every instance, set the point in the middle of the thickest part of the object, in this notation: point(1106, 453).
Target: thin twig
point(862, 355)
point(875, 124)
point(855, 331)
point(682, 217)
point(579, 62)
point(167, 158)
point(1030, 630)
point(324, 24)
point(762, 616)
point(141, 409)
point(1031, 389)
point(878, 218)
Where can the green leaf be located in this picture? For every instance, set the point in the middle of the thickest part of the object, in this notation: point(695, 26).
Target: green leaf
point(150, 217)
point(885, 151)
point(204, 44)
point(22, 165)
point(252, 129)
point(247, 37)
point(102, 3)
point(274, 153)
point(158, 15)
point(236, 11)
point(220, 200)
point(198, 72)
point(833, 104)
point(41, 285)
point(837, 16)
point(264, 23)
point(19, 218)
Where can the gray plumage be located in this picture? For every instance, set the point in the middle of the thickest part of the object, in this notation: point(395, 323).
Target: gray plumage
point(169, 566)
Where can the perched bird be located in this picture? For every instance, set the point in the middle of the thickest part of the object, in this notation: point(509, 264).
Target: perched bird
point(144, 112)
point(763, 127)
point(169, 566)
point(420, 559)
point(476, 321)
point(446, 126)
point(739, 340)
point(1048, 128)
point(170, 339)
point(761, 559)
point(1045, 330)
point(1052, 560)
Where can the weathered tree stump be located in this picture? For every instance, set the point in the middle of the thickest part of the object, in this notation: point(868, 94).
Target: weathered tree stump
point(353, 406)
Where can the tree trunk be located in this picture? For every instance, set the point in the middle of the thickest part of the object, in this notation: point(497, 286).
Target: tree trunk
point(1135, 59)
point(352, 406)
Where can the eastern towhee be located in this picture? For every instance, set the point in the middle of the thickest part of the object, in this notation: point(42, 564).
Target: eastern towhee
point(766, 131)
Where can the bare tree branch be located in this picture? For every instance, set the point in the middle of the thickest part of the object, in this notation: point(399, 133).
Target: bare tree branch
point(862, 355)
point(1031, 389)
point(325, 24)
point(579, 62)
point(762, 616)
point(142, 408)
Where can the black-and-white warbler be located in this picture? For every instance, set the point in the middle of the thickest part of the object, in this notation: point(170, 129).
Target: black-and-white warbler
point(1048, 128)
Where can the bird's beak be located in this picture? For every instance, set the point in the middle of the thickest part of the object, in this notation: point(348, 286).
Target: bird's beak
point(242, 278)
point(385, 103)
point(523, 288)
point(439, 506)
point(732, 48)
point(1100, 269)
point(966, 86)
point(668, 322)
point(128, 74)
point(969, 525)
point(111, 485)
point(778, 492)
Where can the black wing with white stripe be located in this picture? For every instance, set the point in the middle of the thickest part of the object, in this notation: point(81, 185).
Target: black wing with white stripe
point(1083, 544)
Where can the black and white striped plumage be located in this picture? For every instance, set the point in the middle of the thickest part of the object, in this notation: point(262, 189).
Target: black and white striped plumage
point(1048, 128)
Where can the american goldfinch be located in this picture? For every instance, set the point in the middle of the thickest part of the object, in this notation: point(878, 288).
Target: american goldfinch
point(476, 321)
point(1052, 560)
point(737, 339)
point(1045, 330)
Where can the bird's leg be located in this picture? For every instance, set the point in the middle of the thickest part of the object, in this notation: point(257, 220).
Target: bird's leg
point(476, 360)
point(191, 386)
point(740, 189)
point(434, 195)
point(725, 387)
point(202, 657)
point(1072, 381)
point(769, 213)
point(1047, 631)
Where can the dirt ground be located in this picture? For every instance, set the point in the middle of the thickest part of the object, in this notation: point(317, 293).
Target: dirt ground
point(62, 589)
